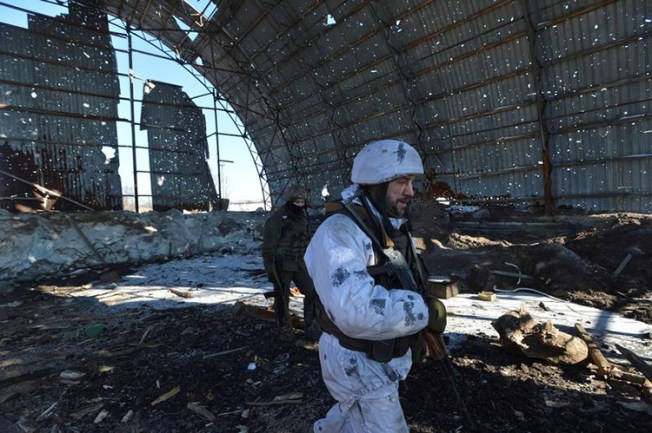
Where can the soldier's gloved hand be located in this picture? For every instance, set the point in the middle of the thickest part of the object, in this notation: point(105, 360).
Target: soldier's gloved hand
point(436, 315)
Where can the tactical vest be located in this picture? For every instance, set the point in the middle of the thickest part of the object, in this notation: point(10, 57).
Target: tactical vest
point(293, 242)
point(383, 273)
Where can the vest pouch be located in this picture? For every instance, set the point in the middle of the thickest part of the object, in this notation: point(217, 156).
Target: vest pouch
point(382, 351)
point(400, 268)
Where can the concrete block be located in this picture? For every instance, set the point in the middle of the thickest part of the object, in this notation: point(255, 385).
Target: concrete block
point(443, 287)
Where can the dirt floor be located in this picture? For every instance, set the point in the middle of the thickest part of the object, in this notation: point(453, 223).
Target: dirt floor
point(202, 369)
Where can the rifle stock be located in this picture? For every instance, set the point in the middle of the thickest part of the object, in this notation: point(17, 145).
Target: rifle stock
point(436, 345)
point(280, 305)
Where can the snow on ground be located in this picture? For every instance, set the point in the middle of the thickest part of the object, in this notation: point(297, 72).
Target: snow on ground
point(225, 279)
point(219, 280)
point(468, 315)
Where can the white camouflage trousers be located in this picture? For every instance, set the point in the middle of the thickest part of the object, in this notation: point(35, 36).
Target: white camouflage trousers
point(366, 391)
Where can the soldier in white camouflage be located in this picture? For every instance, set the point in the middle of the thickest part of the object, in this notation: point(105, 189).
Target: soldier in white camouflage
point(365, 267)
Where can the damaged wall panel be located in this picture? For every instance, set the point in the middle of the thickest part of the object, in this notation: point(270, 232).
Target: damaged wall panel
point(178, 148)
point(59, 93)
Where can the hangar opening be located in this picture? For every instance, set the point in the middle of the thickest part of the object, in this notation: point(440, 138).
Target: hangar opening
point(85, 106)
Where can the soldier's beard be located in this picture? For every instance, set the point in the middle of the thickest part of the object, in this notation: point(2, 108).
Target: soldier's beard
point(396, 211)
point(377, 194)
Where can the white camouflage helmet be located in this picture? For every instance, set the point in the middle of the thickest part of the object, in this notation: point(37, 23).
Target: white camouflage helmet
point(385, 160)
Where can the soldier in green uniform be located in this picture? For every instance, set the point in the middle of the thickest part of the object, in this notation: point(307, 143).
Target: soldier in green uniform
point(285, 238)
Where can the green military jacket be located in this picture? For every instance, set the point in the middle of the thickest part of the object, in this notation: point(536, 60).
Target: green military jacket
point(285, 239)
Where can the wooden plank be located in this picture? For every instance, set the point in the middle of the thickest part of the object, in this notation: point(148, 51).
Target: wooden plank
point(595, 354)
point(268, 315)
point(182, 293)
point(636, 361)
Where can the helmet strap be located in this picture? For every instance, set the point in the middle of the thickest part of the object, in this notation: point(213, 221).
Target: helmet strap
point(377, 195)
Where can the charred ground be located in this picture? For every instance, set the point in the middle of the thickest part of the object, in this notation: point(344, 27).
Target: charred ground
point(246, 379)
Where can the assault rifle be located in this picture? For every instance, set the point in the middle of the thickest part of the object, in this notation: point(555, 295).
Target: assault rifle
point(434, 341)
point(279, 294)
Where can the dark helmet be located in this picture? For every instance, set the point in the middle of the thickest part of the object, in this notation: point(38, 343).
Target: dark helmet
point(295, 192)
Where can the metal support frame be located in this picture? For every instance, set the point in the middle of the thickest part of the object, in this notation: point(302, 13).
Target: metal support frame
point(132, 118)
point(544, 134)
point(129, 32)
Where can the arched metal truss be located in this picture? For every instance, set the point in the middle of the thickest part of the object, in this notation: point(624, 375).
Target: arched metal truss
point(512, 100)
point(168, 54)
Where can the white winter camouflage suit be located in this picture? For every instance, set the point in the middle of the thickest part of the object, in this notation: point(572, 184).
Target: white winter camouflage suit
point(366, 390)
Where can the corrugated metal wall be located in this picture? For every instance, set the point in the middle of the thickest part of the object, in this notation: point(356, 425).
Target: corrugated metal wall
point(178, 149)
point(539, 102)
point(478, 79)
point(484, 135)
point(596, 77)
point(60, 94)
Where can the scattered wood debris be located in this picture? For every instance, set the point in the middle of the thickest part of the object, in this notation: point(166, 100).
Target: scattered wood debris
point(292, 398)
point(605, 368)
point(487, 296)
point(224, 352)
point(100, 416)
point(636, 361)
point(87, 410)
point(240, 308)
point(595, 354)
point(182, 293)
point(201, 411)
point(128, 416)
point(168, 395)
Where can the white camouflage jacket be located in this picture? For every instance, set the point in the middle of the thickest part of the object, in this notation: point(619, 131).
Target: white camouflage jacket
point(337, 259)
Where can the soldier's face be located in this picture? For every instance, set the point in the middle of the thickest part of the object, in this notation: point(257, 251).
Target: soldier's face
point(399, 193)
